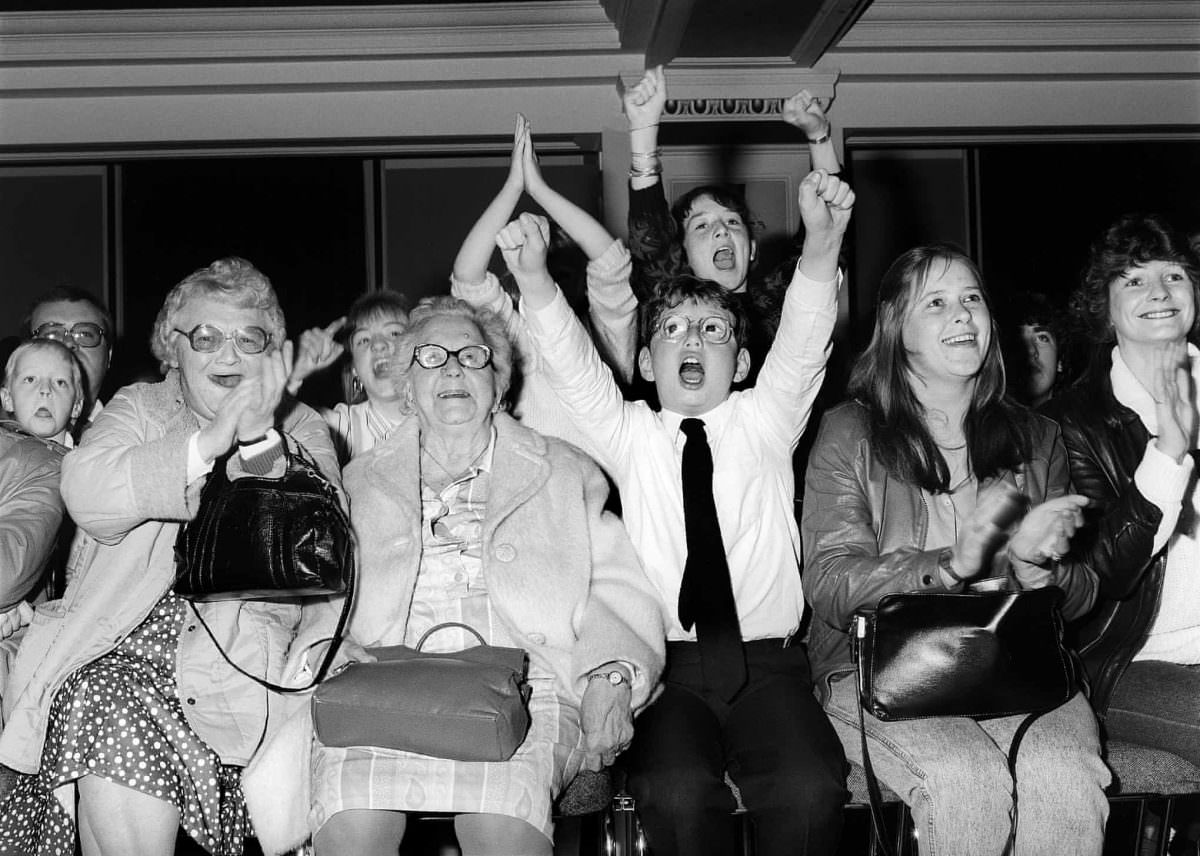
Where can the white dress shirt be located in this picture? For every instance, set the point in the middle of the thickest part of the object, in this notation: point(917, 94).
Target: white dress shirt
point(753, 434)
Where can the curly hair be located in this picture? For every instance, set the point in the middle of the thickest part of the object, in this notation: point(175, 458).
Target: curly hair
point(1134, 239)
point(232, 280)
point(997, 431)
point(679, 289)
point(490, 327)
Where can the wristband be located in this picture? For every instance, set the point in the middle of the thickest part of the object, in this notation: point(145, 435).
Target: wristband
point(644, 127)
point(824, 138)
point(244, 443)
point(945, 563)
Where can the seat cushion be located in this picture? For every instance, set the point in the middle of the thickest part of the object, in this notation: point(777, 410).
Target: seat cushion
point(1141, 769)
point(856, 783)
point(589, 791)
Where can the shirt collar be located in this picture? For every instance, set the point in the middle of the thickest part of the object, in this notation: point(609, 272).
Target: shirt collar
point(1129, 391)
point(714, 420)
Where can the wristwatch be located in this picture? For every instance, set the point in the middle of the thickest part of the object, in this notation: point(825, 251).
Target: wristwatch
point(616, 677)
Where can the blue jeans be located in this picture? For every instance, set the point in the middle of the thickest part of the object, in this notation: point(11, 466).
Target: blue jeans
point(953, 774)
point(1158, 704)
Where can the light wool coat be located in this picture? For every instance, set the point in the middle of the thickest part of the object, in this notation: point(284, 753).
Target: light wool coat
point(126, 487)
point(561, 573)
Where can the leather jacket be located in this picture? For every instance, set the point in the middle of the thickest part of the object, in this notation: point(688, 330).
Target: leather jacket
point(863, 531)
point(1106, 441)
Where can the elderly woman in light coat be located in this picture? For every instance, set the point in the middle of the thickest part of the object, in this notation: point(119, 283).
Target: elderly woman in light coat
point(465, 515)
point(117, 696)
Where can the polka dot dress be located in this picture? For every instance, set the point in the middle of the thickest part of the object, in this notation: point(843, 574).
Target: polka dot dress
point(120, 718)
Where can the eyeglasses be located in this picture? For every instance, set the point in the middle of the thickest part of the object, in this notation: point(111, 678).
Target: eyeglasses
point(714, 329)
point(85, 334)
point(206, 338)
point(468, 356)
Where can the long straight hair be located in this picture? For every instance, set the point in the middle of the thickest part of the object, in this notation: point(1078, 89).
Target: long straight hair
point(997, 429)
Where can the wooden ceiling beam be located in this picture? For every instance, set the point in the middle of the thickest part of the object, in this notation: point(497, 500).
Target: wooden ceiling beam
point(831, 20)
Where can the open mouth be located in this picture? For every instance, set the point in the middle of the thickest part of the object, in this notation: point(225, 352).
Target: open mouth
point(691, 372)
point(381, 367)
point(961, 339)
point(1159, 314)
point(454, 393)
point(228, 381)
point(43, 413)
point(723, 259)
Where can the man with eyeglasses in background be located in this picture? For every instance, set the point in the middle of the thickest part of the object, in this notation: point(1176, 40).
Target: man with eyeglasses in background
point(75, 318)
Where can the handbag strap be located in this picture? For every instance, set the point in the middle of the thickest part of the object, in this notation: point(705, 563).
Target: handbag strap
point(443, 626)
point(876, 797)
point(330, 653)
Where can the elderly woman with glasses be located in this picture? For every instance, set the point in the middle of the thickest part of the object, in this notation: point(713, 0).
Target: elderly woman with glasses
point(462, 514)
point(122, 716)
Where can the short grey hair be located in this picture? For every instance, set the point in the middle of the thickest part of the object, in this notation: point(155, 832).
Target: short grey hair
point(233, 280)
point(491, 328)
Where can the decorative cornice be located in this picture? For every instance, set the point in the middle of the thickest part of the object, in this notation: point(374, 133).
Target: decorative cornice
point(715, 90)
point(725, 108)
point(476, 29)
point(1016, 25)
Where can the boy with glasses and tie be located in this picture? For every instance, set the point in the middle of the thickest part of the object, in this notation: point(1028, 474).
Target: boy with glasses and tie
point(707, 489)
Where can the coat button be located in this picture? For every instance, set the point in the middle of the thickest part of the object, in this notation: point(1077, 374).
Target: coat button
point(506, 552)
point(191, 701)
point(537, 638)
point(927, 580)
point(191, 628)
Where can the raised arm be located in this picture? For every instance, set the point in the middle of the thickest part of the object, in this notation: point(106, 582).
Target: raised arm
point(471, 263)
point(569, 359)
point(794, 367)
point(611, 302)
point(643, 105)
point(804, 111)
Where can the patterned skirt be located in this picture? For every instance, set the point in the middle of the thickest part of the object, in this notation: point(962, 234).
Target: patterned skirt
point(120, 718)
point(523, 787)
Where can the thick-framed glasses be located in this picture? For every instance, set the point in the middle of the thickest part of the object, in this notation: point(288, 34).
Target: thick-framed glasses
point(714, 329)
point(85, 334)
point(435, 356)
point(206, 338)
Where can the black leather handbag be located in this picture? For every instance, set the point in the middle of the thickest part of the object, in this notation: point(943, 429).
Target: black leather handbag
point(978, 655)
point(468, 705)
point(262, 538)
point(256, 538)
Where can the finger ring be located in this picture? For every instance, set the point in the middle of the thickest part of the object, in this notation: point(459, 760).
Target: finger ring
point(1055, 556)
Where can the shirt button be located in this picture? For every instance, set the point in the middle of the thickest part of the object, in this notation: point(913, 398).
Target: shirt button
point(459, 577)
point(191, 628)
point(927, 580)
point(191, 701)
point(506, 552)
point(537, 638)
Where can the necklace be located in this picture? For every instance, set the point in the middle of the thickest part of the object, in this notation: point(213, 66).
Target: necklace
point(451, 476)
point(957, 448)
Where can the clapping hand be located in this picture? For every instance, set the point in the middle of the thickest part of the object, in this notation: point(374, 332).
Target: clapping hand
point(1174, 401)
point(14, 619)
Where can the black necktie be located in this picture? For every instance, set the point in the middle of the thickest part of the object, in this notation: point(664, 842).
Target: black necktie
point(706, 594)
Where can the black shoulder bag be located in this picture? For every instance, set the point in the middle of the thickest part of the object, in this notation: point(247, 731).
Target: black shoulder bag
point(980, 655)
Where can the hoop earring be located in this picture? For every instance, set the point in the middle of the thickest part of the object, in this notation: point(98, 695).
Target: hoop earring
point(356, 387)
